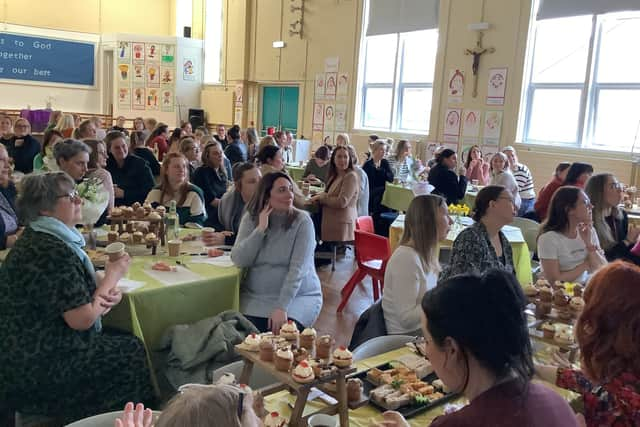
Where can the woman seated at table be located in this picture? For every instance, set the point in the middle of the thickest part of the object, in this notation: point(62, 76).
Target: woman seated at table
point(44, 160)
point(65, 125)
point(379, 173)
point(270, 160)
point(138, 148)
point(363, 191)
point(610, 221)
point(9, 230)
point(175, 185)
point(275, 246)
point(132, 178)
point(339, 200)
point(174, 139)
point(72, 157)
point(477, 339)
point(318, 167)
point(267, 140)
point(477, 168)
point(52, 307)
point(568, 245)
point(190, 149)
point(23, 147)
point(449, 184)
point(158, 140)
point(578, 174)
point(483, 245)
point(544, 196)
point(607, 334)
point(501, 175)
point(401, 163)
point(6, 129)
point(212, 179)
point(86, 129)
point(413, 268)
point(97, 168)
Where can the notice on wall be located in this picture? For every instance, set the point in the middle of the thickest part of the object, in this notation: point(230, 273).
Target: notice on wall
point(153, 99)
point(455, 86)
point(330, 86)
point(492, 126)
point(496, 86)
point(488, 151)
point(318, 117)
point(152, 52)
point(331, 64)
point(329, 117)
point(138, 52)
point(341, 117)
point(471, 121)
point(343, 85)
point(153, 75)
point(452, 125)
point(124, 51)
point(124, 97)
point(319, 87)
point(139, 98)
point(188, 69)
point(167, 103)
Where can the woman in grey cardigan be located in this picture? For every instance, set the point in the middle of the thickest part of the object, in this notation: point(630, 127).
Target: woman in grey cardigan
point(275, 245)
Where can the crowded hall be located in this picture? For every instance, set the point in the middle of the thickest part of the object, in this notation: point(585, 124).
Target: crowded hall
point(346, 213)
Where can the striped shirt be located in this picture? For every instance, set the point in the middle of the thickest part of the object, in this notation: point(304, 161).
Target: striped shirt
point(525, 182)
point(400, 170)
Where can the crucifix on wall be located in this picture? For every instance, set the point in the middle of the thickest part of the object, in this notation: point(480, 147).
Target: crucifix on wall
point(477, 52)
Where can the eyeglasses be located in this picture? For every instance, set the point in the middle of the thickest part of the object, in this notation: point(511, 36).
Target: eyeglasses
point(616, 186)
point(74, 196)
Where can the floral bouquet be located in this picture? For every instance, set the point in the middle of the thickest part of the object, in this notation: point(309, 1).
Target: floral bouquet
point(95, 199)
point(459, 210)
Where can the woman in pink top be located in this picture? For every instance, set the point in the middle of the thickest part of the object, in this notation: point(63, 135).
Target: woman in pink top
point(158, 140)
point(477, 168)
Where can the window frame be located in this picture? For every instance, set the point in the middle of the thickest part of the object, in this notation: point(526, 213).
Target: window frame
point(221, 27)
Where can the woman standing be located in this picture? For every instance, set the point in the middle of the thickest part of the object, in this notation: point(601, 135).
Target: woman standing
point(413, 268)
point(275, 245)
point(339, 200)
point(175, 185)
point(379, 173)
point(477, 168)
point(611, 222)
point(23, 147)
point(44, 160)
point(158, 140)
point(132, 178)
point(212, 179)
point(483, 245)
point(568, 245)
point(449, 184)
point(363, 191)
point(501, 175)
point(401, 162)
point(60, 353)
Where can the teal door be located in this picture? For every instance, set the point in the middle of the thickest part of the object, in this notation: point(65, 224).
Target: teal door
point(280, 109)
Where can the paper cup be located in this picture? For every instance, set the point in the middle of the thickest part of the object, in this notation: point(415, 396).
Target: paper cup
point(208, 231)
point(114, 250)
point(323, 420)
point(174, 247)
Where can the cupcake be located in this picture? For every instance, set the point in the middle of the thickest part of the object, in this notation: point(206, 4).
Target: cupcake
point(549, 330)
point(267, 349)
point(151, 238)
point(284, 359)
point(125, 237)
point(116, 213)
point(565, 314)
point(252, 342)
point(559, 298)
point(546, 294)
point(564, 337)
point(112, 236)
point(558, 285)
point(354, 390)
point(576, 305)
point(161, 210)
point(323, 347)
point(300, 354)
point(542, 282)
point(577, 290)
point(275, 420)
point(154, 216)
point(542, 308)
point(127, 212)
point(308, 338)
point(342, 357)
point(137, 237)
point(530, 290)
point(289, 331)
point(303, 373)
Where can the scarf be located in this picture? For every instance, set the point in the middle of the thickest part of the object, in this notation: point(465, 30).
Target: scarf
point(72, 238)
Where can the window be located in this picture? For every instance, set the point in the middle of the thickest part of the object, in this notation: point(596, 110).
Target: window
point(396, 81)
point(583, 84)
point(184, 14)
point(212, 41)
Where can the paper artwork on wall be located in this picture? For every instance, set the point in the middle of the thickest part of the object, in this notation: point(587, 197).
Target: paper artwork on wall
point(471, 120)
point(496, 86)
point(452, 124)
point(167, 75)
point(124, 97)
point(329, 117)
point(153, 98)
point(152, 52)
point(138, 73)
point(139, 98)
point(138, 52)
point(430, 149)
point(167, 98)
point(330, 86)
point(492, 127)
point(124, 52)
point(455, 86)
point(168, 53)
point(488, 151)
point(153, 75)
point(331, 64)
point(319, 87)
point(318, 117)
point(316, 138)
point(188, 69)
point(341, 117)
point(451, 146)
point(237, 94)
point(343, 84)
point(124, 74)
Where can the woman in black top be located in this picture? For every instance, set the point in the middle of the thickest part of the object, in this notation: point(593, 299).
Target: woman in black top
point(379, 173)
point(212, 178)
point(139, 149)
point(132, 178)
point(443, 177)
point(6, 129)
point(23, 147)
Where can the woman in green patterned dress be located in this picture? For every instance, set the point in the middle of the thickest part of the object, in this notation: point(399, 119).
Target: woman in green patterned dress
point(55, 359)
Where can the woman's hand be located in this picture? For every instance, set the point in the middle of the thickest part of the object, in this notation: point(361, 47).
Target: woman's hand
point(138, 417)
point(462, 171)
point(391, 419)
point(216, 239)
point(473, 163)
point(108, 299)
point(118, 192)
point(215, 203)
point(263, 218)
point(276, 320)
point(318, 198)
point(116, 270)
point(633, 234)
point(584, 229)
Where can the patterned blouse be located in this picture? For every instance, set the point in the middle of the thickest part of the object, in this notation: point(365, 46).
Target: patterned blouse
point(473, 253)
point(615, 403)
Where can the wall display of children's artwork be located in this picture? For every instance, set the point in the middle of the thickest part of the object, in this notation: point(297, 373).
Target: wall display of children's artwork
point(318, 117)
point(331, 64)
point(316, 138)
point(329, 117)
point(167, 98)
point(167, 75)
point(330, 85)
point(138, 52)
point(138, 73)
point(153, 98)
point(341, 117)
point(319, 87)
point(343, 84)
point(430, 150)
point(124, 74)
point(152, 52)
point(153, 75)
point(451, 146)
point(139, 98)
point(452, 124)
point(124, 52)
point(188, 69)
point(496, 86)
point(492, 127)
point(471, 120)
point(488, 151)
point(455, 87)
point(168, 53)
point(124, 97)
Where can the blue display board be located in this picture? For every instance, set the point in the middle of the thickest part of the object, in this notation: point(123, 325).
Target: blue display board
point(46, 60)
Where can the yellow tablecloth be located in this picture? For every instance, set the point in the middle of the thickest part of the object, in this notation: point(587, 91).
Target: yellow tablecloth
point(521, 255)
point(398, 197)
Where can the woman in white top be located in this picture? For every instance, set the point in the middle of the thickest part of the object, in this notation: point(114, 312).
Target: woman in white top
point(413, 268)
point(568, 245)
point(501, 175)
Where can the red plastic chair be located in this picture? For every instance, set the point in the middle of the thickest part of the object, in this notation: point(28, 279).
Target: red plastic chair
point(372, 253)
point(365, 223)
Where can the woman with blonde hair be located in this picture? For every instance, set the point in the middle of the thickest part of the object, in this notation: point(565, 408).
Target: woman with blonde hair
point(65, 125)
point(97, 167)
point(190, 149)
point(401, 161)
point(501, 175)
point(413, 268)
point(86, 129)
point(175, 185)
point(342, 140)
point(23, 147)
point(267, 140)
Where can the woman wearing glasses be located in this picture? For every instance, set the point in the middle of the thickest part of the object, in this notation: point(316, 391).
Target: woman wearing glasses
point(23, 147)
point(483, 246)
point(568, 245)
point(58, 361)
point(9, 230)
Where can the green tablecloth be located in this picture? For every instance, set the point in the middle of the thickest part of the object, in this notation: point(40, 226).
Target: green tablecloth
point(398, 197)
point(295, 172)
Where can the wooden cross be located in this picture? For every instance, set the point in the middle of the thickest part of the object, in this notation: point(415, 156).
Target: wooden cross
point(477, 52)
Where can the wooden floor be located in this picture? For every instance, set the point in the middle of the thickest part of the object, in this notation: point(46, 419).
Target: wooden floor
point(340, 325)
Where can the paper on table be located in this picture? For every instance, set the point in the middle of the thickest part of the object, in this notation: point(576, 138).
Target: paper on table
point(126, 285)
point(181, 275)
point(221, 261)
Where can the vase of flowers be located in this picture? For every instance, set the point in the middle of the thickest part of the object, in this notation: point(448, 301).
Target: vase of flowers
point(457, 212)
point(95, 199)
